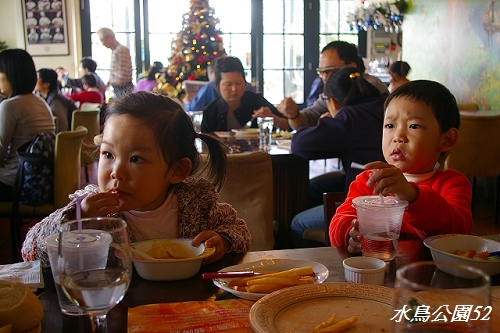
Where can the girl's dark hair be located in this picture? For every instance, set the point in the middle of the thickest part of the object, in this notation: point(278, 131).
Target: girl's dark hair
point(402, 68)
point(48, 75)
point(226, 65)
point(19, 68)
point(435, 95)
point(173, 130)
point(347, 86)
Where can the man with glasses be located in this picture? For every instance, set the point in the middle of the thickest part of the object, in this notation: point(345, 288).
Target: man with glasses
point(334, 56)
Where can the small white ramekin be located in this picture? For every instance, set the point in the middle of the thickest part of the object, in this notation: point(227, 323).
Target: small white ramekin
point(364, 270)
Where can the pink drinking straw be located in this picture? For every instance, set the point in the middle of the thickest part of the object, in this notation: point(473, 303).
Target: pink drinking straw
point(78, 217)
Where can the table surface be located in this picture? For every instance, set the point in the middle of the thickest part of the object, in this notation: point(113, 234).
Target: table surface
point(143, 292)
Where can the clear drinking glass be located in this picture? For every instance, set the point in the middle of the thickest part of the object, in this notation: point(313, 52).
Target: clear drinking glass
point(427, 299)
point(266, 125)
point(95, 266)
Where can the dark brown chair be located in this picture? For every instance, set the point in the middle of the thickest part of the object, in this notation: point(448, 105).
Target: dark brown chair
point(331, 201)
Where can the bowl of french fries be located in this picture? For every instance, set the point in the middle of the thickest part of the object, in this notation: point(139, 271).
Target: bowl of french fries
point(168, 259)
point(465, 249)
point(271, 275)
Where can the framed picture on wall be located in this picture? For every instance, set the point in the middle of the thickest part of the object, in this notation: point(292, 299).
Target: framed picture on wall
point(45, 27)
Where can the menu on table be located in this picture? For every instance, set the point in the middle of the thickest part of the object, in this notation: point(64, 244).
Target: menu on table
point(228, 316)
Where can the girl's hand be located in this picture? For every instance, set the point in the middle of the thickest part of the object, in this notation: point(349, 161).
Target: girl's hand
point(354, 238)
point(389, 180)
point(212, 239)
point(100, 204)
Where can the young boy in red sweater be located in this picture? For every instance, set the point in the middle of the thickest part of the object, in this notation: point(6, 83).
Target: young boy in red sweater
point(420, 125)
point(90, 93)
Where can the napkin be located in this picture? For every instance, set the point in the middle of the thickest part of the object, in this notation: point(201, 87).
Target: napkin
point(28, 272)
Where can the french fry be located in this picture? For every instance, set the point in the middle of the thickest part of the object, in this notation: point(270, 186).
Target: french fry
point(469, 253)
point(324, 324)
point(283, 279)
point(340, 326)
point(279, 280)
point(265, 288)
point(482, 255)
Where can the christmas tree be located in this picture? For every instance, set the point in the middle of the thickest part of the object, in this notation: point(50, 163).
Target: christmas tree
point(196, 45)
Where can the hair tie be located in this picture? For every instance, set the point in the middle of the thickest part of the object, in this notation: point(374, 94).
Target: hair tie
point(354, 75)
point(197, 135)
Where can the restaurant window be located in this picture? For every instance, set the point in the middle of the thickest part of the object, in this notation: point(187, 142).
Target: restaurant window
point(277, 41)
point(118, 16)
point(333, 22)
point(283, 50)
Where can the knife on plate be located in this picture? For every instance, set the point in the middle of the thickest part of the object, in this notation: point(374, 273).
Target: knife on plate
point(223, 275)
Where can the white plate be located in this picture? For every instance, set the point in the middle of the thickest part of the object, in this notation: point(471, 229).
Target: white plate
point(299, 309)
point(269, 265)
point(246, 133)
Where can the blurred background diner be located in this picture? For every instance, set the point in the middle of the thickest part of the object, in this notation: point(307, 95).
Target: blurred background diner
point(61, 106)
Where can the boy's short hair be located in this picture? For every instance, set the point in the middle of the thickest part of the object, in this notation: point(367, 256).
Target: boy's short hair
point(435, 95)
point(90, 80)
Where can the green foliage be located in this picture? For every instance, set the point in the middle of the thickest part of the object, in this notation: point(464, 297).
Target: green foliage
point(3, 45)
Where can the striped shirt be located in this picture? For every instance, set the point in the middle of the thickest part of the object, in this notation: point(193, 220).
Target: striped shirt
point(121, 66)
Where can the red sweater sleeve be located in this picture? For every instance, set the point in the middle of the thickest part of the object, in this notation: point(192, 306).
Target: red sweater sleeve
point(442, 206)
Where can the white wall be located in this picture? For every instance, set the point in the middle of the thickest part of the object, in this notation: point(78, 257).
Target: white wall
point(12, 32)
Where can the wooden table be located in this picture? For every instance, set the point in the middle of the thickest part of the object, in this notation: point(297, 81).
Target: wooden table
point(290, 184)
point(143, 292)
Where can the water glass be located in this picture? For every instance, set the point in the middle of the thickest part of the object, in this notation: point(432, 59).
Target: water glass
point(265, 132)
point(196, 118)
point(427, 299)
point(95, 266)
point(380, 221)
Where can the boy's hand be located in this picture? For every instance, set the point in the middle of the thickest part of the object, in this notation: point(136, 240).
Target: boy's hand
point(354, 238)
point(211, 239)
point(388, 179)
point(100, 204)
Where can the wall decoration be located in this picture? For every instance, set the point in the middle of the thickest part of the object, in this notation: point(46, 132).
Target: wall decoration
point(45, 27)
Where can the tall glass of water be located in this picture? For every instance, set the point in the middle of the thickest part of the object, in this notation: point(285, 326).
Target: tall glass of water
point(94, 264)
point(265, 131)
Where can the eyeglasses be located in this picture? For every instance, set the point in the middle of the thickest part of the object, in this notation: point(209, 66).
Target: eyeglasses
point(327, 70)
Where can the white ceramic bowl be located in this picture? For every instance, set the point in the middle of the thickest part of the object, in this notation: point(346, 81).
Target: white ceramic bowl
point(443, 246)
point(364, 270)
point(184, 266)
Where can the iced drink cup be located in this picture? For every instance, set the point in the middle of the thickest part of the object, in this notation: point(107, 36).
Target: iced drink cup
point(379, 224)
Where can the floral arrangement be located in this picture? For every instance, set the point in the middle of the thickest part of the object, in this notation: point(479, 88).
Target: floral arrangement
point(385, 15)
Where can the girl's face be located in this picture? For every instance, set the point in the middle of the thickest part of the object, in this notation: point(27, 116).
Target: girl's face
point(232, 86)
point(131, 164)
point(412, 139)
point(5, 86)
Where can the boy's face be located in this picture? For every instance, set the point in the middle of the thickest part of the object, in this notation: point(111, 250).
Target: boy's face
point(131, 163)
point(412, 139)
